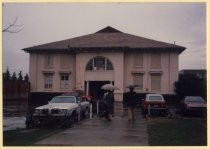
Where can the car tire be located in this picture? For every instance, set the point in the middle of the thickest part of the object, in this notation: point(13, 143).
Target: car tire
point(74, 117)
point(67, 123)
point(183, 112)
point(165, 113)
point(29, 124)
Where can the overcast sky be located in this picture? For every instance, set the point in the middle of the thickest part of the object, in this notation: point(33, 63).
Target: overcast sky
point(184, 23)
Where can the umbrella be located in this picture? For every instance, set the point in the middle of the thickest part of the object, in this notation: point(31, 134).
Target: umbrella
point(132, 86)
point(109, 87)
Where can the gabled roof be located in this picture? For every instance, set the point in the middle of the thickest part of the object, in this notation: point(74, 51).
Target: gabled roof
point(106, 39)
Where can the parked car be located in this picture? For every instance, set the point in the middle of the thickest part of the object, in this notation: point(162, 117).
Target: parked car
point(84, 107)
point(83, 99)
point(193, 104)
point(64, 109)
point(154, 103)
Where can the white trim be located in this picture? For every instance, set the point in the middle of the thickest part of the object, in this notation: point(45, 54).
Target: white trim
point(156, 72)
point(64, 72)
point(137, 72)
point(48, 71)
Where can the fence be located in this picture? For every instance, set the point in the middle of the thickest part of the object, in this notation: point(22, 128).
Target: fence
point(15, 96)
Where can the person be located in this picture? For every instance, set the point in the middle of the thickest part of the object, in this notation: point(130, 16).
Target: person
point(124, 105)
point(109, 104)
point(131, 102)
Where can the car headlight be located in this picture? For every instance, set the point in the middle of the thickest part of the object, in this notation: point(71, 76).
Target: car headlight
point(38, 111)
point(63, 111)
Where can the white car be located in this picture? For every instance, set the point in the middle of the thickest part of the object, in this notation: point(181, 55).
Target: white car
point(66, 109)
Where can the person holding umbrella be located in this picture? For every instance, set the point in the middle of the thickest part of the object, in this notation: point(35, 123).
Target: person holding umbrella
point(109, 104)
point(108, 100)
point(131, 102)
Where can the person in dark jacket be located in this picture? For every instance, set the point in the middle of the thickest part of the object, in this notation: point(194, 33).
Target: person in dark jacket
point(109, 104)
point(131, 102)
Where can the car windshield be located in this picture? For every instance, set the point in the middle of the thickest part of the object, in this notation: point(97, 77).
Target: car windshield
point(159, 98)
point(194, 99)
point(60, 99)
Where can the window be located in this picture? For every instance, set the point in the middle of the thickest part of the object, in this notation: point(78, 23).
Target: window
point(138, 80)
point(48, 80)
point(64, 61)
point(155, 60)
point(109, 65)
point(99, 63)
point(48, 61)
point(155, 82)
point(90, 65)
point(138, 60)
point(64, 81)
point(155, 98)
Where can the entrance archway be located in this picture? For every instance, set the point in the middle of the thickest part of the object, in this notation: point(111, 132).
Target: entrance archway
point(99, 71)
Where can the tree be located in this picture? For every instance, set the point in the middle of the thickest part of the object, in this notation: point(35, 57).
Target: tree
point(26, 78)
point(6, 75)
point(190, 85)
point(20, 77)
point(14, 78)
point(13, 27)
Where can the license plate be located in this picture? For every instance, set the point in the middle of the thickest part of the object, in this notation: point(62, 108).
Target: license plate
point(155, 106)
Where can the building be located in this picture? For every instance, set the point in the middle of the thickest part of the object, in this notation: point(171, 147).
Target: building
point(200, 73)
point(107, 56)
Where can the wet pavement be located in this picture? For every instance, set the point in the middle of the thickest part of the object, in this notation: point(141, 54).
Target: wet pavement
point(100, 132)
point(12, 123)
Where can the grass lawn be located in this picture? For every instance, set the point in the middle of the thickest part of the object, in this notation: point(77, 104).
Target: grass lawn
point(177, 132)
point(25, 137)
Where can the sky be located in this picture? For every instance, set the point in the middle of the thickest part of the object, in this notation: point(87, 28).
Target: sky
point(182, 23)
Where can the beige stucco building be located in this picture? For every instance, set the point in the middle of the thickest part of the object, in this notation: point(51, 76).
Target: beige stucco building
point(107, 56)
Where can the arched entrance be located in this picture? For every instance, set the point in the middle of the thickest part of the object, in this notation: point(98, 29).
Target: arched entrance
point(99, 71)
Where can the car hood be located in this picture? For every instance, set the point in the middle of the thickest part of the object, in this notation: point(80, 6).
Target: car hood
point(58, 106)
point(196, 104)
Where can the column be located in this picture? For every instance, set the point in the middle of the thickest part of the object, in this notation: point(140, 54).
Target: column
point(87, 87)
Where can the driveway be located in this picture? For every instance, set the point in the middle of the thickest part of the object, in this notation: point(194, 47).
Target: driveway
point(100, 132)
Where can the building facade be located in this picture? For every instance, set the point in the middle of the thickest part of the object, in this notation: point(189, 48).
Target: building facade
point(107, 56)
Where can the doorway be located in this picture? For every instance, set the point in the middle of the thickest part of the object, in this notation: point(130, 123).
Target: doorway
point(95, 89)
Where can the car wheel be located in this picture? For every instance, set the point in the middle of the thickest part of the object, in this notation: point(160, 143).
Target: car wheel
point(29, 124)
point(70, 120)
point(74, 117)
point(165, 112)
point(183, 112)
point(67, 123)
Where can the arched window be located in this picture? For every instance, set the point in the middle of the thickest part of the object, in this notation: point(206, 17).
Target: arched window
point(99, 63)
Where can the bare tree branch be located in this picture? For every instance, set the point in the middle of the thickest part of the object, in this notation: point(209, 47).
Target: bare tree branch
point(13, 27)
